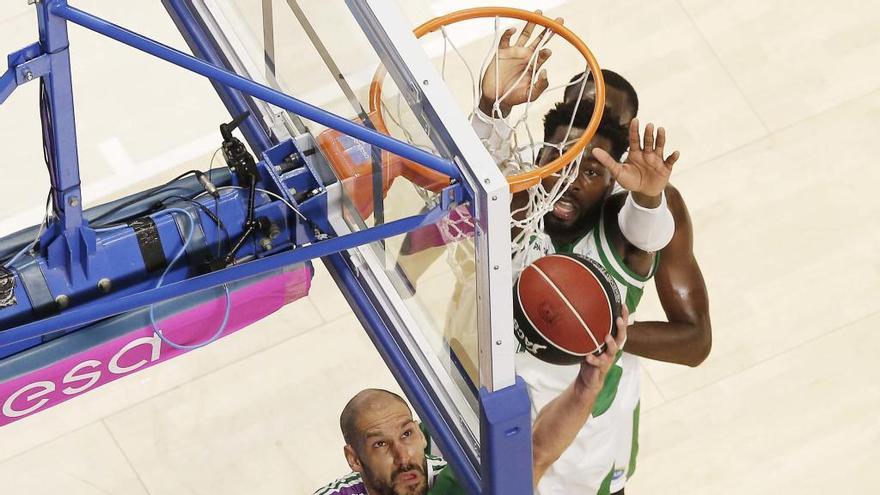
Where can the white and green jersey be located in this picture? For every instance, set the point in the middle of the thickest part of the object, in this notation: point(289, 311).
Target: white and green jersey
point(353, 484)
point(596, 246)
point(603, 454)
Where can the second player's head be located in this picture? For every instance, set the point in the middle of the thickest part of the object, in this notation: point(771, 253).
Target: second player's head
point(620, 95)
point(384, 443)
point(578, 206)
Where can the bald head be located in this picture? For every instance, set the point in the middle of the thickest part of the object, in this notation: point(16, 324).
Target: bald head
point(368, 401)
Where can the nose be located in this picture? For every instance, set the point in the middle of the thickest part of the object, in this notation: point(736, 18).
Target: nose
point(402, 453)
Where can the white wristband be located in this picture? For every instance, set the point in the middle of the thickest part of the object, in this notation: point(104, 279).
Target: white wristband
point(649, 229)
point(495, 135)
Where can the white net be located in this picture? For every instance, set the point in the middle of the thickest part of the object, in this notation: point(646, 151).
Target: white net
point(505, 101)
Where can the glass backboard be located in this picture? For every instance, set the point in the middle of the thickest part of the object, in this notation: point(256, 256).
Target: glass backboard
point(445, 287)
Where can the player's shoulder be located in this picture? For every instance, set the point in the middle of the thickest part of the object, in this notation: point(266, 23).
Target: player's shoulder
point(435, 463)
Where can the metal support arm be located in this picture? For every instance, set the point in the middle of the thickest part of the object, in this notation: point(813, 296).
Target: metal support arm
point(60, 9)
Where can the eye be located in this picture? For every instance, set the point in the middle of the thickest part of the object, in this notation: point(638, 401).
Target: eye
point(380, 444)
point(407, 433)
point(590, 173)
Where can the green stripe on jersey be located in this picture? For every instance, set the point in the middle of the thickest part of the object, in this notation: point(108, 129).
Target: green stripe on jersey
point(609, 388)
point(633, 296)
point(339, 483)
point(605, 487)
point(446, 484)
point(634, 450)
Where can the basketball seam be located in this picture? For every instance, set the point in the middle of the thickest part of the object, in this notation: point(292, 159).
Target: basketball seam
point(569, 305)
point(596, 277)
point(535, 327)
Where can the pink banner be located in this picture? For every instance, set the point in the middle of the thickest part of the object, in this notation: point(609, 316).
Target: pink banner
point(140, 348)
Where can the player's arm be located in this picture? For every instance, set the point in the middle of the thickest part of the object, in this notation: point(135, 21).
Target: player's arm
point(687, 337)
point(512, 77)
point(644, 222)
point(500, 83)
point(558, 423)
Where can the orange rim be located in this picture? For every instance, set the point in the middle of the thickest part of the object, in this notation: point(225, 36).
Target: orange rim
point(525, 180)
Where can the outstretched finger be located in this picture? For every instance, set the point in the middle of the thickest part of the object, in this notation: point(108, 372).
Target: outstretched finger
point(608, 162)
point(634, 141)
point(661, 141)
point(537, 41)
point(526, 32)
point(540, 40)
point(649, 138)
point(543, 55)
point(504, 42)
point(672, 159)
point(541, 84)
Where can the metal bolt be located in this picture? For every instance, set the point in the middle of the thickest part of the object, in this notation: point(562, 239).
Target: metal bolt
point(485, 181)
point(73, 201)
point(266, 244)
point(104, 285)
point(497, 342)
point(62, 301)
point(494, 198)
point(28, 75)
point(425, 82)
point(496, 267)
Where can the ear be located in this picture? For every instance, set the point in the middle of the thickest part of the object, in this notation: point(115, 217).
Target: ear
point(354, 461)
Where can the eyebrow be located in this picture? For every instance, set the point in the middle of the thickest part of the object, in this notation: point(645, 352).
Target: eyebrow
point(374, 433)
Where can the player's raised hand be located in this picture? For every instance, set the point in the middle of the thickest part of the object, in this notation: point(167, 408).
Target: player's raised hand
point(515, 75)
point(594, 368)
point(645, 170)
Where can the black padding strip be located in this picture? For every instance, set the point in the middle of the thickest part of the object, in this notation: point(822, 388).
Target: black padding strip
point(33, 281)
point(149, 242)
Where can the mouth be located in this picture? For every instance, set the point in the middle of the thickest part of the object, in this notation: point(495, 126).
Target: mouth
point(565, 209)
point(411, 477)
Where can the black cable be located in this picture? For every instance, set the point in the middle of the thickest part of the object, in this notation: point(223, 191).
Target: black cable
point(141, 197)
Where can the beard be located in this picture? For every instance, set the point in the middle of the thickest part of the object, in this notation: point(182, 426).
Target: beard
point(556, 227)
point(386, 487)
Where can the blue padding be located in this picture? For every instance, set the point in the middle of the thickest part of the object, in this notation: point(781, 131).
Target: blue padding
point(122, 208)
point(506, 440)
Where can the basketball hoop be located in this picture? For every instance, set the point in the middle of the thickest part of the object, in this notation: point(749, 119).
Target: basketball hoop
point(522, 180)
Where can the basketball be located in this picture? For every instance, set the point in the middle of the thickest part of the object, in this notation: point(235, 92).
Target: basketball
point(564, 307)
